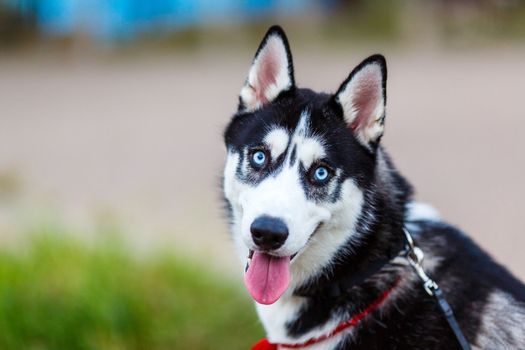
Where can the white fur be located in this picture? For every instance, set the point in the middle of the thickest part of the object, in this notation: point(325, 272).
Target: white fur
point(275, 317)
point(502, 326)
point(329, 237)
point(418, 211)
point(309, 150)
point(232, 189)
point(282, 196)
point(277, 140)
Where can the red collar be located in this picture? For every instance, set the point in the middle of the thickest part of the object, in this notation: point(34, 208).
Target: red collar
point(264, 344)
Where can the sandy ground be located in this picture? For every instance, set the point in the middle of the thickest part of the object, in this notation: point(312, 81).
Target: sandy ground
point(140, 140)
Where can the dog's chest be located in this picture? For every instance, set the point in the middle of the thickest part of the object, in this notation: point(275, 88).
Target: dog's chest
point(276, 319)
point(277, 316)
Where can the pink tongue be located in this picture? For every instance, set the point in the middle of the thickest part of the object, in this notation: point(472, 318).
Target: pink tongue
point(267, 277)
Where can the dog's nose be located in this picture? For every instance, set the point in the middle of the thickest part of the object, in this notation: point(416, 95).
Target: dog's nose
point(268, 233)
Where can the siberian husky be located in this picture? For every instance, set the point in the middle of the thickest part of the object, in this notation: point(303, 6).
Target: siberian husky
point(318, 215)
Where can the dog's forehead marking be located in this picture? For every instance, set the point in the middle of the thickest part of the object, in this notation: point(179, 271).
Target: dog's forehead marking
point(304, 122)
point(277, 141)
point(304, 146)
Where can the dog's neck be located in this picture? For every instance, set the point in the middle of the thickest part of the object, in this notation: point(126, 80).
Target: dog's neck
point(318, 313)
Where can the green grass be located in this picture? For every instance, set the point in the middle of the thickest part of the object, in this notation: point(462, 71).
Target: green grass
point(61, 293)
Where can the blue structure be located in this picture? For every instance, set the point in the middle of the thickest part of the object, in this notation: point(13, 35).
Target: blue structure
point(123, 19)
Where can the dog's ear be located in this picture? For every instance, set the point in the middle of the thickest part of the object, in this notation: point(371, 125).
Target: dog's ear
point(362, 98)
point(271, 72)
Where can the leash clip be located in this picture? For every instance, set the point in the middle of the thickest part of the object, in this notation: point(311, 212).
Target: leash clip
point(415, 257)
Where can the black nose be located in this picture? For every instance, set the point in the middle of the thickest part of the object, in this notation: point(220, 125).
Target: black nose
point(268, 233)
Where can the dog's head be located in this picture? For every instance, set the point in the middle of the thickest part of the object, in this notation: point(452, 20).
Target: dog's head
point(297, 166)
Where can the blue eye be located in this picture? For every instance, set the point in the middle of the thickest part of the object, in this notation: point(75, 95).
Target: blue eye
point(258, 159)
point(321, 175)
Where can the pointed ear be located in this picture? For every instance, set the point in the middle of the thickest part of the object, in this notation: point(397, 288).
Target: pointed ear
point(362, 98)
point(271, 72)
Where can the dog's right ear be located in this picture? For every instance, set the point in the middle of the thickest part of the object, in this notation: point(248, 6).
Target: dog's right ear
point(271, 72)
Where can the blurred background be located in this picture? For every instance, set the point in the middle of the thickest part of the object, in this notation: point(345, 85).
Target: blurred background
point(111, 112)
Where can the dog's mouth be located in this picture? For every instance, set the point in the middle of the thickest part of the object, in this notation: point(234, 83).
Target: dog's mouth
point(267, 276)
point(250, 256)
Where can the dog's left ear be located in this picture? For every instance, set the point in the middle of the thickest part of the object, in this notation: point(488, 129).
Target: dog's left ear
point(362, 98)
point(271, 72)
